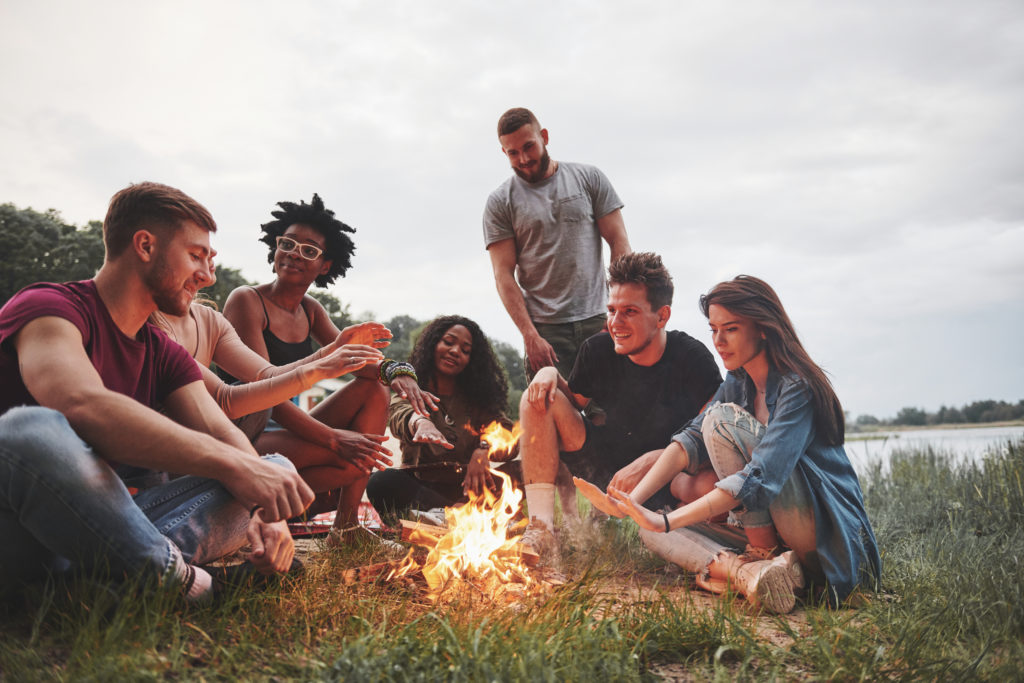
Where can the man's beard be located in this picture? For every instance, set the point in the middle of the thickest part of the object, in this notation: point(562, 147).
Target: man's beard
point(542, 168)
point(165, 292)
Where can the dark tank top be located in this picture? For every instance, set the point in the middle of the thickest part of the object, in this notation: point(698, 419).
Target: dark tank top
point(279, 352)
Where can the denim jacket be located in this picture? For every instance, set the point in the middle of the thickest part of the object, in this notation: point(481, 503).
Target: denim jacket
point(791, 447)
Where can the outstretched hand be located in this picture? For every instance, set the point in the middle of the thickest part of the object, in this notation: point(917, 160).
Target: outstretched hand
point(349, 358)
point(427, 432)
point(272, 546)
point(598, 498)
point(645, 518)
point(368, 334)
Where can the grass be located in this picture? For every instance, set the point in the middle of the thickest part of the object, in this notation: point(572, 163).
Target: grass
point(952, 537)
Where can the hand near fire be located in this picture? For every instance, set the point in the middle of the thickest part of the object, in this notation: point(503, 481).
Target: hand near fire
point(271, 543)
point(427, 432)
point(478, 473)
point(646, 519)
point(598, 498)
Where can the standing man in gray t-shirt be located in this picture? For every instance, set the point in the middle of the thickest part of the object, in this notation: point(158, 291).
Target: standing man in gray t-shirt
point(544, 226)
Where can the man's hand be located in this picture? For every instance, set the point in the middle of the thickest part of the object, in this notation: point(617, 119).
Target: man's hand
point(272, 545)
point(427, 432)
point(539, 353)
point(629, 476)
point(423, 402)
point(478, 473)
point(543, 389)
point(366, 334)
point(598, 498)
point(281, 492)
point(365, 451)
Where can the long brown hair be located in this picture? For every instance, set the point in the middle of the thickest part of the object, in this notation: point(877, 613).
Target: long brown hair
point(754, 298)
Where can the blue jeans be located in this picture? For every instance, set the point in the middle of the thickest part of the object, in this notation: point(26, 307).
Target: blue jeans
point(62, 506)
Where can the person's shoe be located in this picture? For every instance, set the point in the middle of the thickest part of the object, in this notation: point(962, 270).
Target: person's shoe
point(791, 564)
point(540, 540)
point(360, 535)
point(766, 584)
point(433, 516)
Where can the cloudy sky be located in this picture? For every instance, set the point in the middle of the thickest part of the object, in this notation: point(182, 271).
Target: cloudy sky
point(866, 158)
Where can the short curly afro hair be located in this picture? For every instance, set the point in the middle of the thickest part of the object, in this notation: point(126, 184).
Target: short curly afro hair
point(339, 246)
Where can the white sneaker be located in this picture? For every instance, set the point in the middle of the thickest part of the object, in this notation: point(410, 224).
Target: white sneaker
point(540, 540)
point(433, 516)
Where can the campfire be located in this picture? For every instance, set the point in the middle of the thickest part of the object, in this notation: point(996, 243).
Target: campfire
point(479, 546)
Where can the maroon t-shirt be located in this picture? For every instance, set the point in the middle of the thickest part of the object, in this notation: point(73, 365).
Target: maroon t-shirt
point(147, 368)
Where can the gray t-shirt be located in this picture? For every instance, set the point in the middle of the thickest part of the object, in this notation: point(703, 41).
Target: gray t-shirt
point(558, 245)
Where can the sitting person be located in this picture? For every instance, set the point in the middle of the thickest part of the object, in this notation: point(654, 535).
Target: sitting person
point(649, 381)
point(90, 394)
point(454, 362)
point(774, 436)
point(341, 440)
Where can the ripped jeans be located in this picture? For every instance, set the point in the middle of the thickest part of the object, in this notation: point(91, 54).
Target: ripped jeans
point(730, 434)
point(62, 506)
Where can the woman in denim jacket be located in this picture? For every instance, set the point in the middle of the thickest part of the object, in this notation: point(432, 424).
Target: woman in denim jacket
point(767, 450)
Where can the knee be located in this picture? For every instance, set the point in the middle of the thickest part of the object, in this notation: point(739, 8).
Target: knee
point(280, 461)
point(717, 415)
point(38, 433)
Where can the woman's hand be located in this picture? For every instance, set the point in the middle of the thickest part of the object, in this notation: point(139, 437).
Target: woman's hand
point(348, 358)
point(423, 402)
point(425, 431)
point(645, 518)
point(365, 451)
point(478, 473)
point(367, 334)
point(598, 498)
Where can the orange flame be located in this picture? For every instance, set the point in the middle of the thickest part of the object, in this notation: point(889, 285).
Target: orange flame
point(475, 547)
point(500, 440)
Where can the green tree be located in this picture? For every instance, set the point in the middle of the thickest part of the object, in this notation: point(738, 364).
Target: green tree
point(228, 279)
point(911, 417)
point(336, 311)
point(404, 330)
point(41, 247)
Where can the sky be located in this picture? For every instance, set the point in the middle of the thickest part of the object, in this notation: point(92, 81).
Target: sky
point(866, 158)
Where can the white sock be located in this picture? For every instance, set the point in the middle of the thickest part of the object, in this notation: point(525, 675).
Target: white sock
point(202, 585)
point(540, 500)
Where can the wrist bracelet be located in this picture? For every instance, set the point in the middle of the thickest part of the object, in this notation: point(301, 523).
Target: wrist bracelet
point(665, 515)
point(382, 370)
point(397, 369)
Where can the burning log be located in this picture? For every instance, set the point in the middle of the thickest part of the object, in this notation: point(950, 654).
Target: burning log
point(427, 535)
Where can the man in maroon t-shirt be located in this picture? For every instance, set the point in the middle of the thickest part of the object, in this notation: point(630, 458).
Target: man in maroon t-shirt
point(89, 390)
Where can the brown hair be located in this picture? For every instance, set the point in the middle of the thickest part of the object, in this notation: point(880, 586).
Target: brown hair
point(644, 268)
point(754, 298)
point(516, 118)
point(149, 206)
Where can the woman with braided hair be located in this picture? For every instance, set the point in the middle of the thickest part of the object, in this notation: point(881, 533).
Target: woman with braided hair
point(341, 441)
point(443, 457)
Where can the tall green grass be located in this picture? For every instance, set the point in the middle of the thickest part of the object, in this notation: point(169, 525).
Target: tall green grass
point(952, 608)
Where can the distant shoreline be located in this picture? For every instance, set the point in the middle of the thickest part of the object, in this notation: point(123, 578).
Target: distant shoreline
point(870, 432)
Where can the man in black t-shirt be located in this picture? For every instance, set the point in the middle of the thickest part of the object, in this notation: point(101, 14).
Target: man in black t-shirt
point(649, 381)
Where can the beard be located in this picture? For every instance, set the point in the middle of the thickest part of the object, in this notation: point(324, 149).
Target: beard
point(538, 174)
point(168, 294)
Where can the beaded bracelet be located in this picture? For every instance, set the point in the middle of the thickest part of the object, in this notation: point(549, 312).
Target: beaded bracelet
point(382, 371)
point(399, 369)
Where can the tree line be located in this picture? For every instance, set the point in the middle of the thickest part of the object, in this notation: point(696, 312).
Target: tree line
point(977, 412)
point(42, 247)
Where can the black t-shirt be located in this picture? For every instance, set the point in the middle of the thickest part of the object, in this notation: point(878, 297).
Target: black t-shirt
point(645, 406)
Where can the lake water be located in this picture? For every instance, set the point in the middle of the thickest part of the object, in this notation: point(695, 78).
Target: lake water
point(965, 444)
